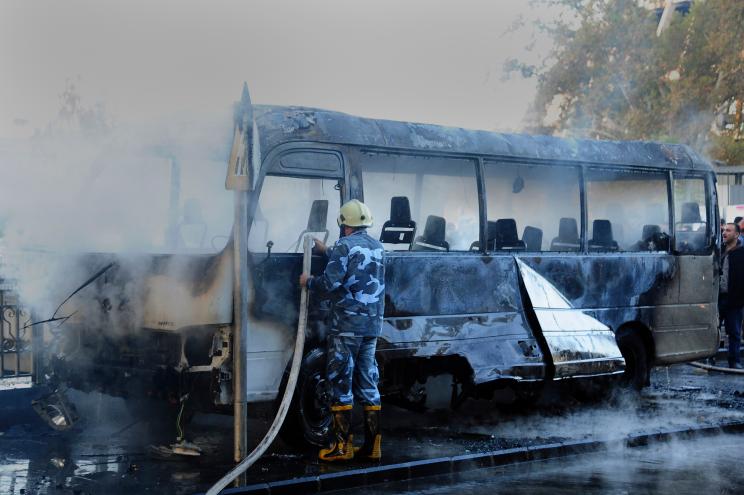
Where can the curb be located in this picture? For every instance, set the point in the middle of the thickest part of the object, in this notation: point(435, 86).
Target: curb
point(447, 465)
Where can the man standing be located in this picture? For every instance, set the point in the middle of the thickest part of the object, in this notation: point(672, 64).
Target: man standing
point(731, 291)
point(355, 280)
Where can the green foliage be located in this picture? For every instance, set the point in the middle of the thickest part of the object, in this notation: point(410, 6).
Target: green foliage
point(728, 150)
point(610, 76)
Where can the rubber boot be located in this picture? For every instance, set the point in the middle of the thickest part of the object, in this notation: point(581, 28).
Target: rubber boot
point(372, 448)
point(341, 448)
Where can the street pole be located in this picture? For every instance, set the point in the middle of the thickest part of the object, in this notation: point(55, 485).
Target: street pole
point(173, 203)
point(240, 304)
point(240, 175)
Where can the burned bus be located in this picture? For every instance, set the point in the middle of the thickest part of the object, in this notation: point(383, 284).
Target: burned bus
point(512, 261)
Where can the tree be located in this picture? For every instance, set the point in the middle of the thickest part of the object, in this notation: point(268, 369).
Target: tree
point(610, 77)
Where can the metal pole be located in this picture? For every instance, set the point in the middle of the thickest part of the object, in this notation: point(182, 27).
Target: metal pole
point(666, 17)
point(174, 202)
point(239, 179)
point(240, 333)
point(239, 470)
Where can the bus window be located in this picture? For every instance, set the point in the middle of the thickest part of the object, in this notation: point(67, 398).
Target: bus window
point(690, 214)
point(627, 211)
point(284, 209)
point(532, 207)
point(438, 197)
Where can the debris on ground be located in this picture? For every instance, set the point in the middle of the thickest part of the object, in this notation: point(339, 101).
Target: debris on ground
point(182, 448)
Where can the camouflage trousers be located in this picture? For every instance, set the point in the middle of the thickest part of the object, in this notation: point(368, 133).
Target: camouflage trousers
point(351, 369)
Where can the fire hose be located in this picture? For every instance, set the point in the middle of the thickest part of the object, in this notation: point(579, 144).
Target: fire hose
point(719, 369)
point(288, 391)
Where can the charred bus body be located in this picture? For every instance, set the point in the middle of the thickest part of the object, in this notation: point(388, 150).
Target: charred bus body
point(512, 260)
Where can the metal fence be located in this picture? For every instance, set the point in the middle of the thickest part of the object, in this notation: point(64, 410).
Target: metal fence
point(17, 339)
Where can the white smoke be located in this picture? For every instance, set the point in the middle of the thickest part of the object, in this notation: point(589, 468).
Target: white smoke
point(85, 183)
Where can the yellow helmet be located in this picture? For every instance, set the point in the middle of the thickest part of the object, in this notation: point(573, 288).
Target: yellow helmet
point(354, 214)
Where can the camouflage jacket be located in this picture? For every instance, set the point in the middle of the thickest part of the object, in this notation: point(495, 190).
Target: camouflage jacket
point(355, 280)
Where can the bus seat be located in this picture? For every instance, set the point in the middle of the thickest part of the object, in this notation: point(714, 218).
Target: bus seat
point(433, 238)
point(602, 236)
point(506, 238)
point(690, 230)
point(690, 213)
point(649, 231)
point(400, 229)
point(568, 236)
point(532, 237)
point(651, 239)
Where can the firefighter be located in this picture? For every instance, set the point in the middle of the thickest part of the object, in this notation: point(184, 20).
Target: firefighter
point(354, 279)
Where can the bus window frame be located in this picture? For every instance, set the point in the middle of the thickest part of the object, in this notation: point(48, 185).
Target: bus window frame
point(270, 166)
point(710, 216)
point(495, 162)
point(717, 238)
point(476, 161)
point(669, 178)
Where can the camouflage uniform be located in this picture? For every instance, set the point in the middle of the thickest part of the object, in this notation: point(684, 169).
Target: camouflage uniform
point(355, 280)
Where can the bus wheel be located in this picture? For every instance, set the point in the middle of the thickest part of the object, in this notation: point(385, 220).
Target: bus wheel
point(309, 418)
point(637, 366)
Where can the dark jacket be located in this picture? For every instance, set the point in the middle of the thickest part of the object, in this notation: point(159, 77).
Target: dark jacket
point(355, 280)
point(735, 298)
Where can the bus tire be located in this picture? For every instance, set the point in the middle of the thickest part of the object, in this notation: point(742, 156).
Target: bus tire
point(637, 364)
point(309, 418)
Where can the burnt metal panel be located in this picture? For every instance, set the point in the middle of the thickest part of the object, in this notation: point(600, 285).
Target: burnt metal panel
point(280, 125)
point(672, 296)
point(689, 329)
point(463, 304)
point(579, 344)
point(436, 305)
point(433, 284)
point(610, 280)
point(496, 346)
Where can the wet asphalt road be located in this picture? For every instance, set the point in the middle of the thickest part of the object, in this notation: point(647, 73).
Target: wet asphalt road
point(691, 467)
point(110, 450)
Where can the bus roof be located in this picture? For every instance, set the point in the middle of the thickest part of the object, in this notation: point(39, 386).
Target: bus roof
point(278, 125)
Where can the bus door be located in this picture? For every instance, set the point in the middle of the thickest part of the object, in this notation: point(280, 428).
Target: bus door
point(691, 331)
point(444, 296)
point(289, 206)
